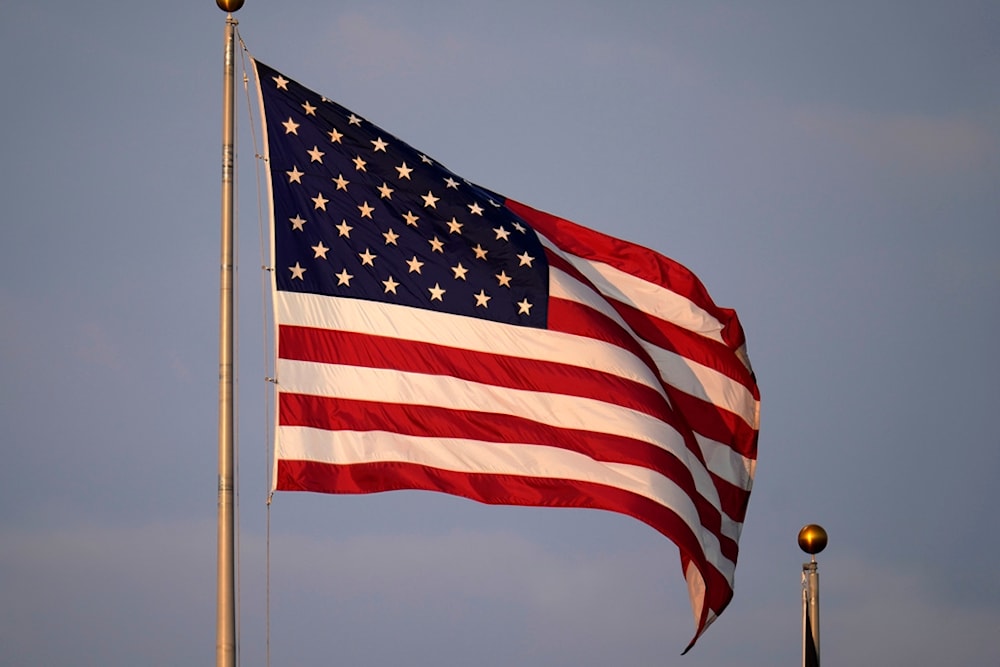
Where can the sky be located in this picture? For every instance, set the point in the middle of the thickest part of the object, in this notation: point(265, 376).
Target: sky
point(830, 171)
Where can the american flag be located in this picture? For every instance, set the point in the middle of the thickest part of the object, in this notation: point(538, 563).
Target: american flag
point(435, 335)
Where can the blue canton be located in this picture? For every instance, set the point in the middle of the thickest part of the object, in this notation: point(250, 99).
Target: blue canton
point(360, 214)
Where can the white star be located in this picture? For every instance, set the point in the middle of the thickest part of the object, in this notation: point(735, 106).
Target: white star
point(297, 222)
point(344, 228)
point(359, 164)
point(385, 191)
point(320, 250)
point(379, 145)
point(344, 278)
point(297, 271)
point(320, 201)
point(482, 299)
point(390, 237)
point(354, 120)
point(366, 210)
point(404, 171)
point(411, 219)
point(316, 155)
point(523, 307)
point(436, 245)
point(525, 258)
point(367, 257)
point(310, 109)
point(451, 183)
point(480, 252)
point(390, 285)
point(295, 176)
point(291, 127)
point(436, 292)
point(335, 136)
point(502, 233)
point(519, 227)
point(476, 209)
point(281, 81)
point(459, 271)
point(454, 227)
point(494, 204)
point(430, 201)
point(503, 279)
point(341, 182)
point(414, 265)
point(425, 159)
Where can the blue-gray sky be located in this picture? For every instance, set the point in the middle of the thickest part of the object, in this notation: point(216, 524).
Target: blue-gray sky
point(829, 171)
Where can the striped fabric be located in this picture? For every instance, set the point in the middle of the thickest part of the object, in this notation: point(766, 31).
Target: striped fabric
point(574, 369)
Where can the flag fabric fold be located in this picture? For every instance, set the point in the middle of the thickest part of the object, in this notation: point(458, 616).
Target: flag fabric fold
point(433, 334)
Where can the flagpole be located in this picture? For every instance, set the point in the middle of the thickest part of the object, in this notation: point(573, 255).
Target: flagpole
point(225, 618)
point(812, 540)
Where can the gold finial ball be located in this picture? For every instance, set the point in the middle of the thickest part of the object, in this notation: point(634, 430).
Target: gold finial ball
point(229, 5)
point(812, 539)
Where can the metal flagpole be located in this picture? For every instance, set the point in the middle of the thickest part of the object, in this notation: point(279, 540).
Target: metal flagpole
point(812, 540)
point(225, 617)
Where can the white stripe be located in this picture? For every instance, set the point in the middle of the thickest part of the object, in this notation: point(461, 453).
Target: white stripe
point(696, 589)
point(382, 319)
point(427, 326)
point(558, 410)
point(726, 463)
point(473, 456)
point(644, 295)
point(705, 383)
point(564, 286)
point(686, 375)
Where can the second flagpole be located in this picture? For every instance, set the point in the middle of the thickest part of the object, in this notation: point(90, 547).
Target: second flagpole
point(812, 539)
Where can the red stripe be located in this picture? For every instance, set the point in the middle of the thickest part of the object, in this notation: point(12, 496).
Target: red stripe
point(326, 346)
point(704, 417)
point(709, 419)
point(505, 490)
point(732, 498)
point(370, 351)
point(334, 414)
point(633, 259)
point(688, 412)
point(579, 320)
point(665, 334)
point(333, 347)
point(716, 423)
point(674, 338)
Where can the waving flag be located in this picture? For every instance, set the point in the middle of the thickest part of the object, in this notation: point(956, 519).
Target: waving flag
point(435, 335)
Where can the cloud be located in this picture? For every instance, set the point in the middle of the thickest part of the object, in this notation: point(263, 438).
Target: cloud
point(887, 614)
point(499, 587)
point(373, 45)
point(498, 566)
point(942, 144)
point(493, 597)
point(96, 594)
point(961, 268)
point(94, 345)
point(34, 329)
point(590, 609)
